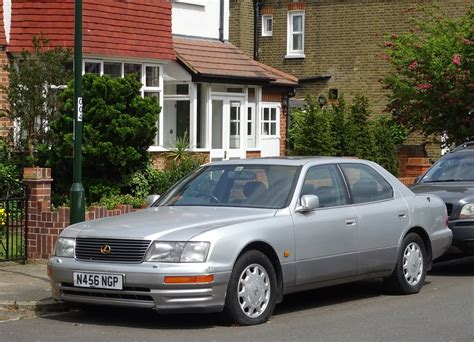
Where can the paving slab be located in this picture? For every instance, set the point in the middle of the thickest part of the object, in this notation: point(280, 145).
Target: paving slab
point(25, 291)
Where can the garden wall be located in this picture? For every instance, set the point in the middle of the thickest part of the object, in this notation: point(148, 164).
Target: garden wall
point(44, 224)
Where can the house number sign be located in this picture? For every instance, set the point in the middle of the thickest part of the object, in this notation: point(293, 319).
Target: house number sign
point(79, 109)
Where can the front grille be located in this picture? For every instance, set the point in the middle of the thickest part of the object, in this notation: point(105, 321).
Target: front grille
point(449, 206)
point(121, 250)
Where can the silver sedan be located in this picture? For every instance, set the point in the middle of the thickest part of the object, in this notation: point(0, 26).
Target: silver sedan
point(236, 236)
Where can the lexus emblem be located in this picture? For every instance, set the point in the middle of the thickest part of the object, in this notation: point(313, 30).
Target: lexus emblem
point(105, 249)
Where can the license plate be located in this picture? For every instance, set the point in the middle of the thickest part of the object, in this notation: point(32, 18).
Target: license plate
point(98, 280)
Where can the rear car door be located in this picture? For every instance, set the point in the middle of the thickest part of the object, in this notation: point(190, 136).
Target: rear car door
point(382, 217)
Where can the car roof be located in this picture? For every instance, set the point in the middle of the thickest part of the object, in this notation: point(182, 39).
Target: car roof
point(467, 146)
point(290, 161)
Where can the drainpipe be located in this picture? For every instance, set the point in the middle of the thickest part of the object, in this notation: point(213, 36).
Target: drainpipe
point(288, 118)
point(256, 12)
point(221, 21)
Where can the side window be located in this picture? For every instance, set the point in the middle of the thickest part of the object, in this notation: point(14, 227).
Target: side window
point(325, 182)
point(366, 184)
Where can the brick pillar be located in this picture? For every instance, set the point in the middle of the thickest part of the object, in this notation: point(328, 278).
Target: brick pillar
point(38, 180)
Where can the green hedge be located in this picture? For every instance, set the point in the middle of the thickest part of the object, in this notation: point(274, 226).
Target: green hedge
point(341, 131)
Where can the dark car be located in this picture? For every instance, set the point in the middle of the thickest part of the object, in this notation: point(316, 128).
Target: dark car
point(452, 179)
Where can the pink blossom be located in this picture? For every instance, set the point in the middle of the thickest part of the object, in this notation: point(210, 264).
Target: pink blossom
point(388, 44)
point(394, 36)
point(412, 65)
point(456, 59)
point(424, 86)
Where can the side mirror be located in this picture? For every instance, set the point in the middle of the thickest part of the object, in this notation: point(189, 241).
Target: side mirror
point(150, 199)
point(308, 203)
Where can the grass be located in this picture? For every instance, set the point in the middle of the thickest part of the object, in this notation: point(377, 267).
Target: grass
point(16, 245)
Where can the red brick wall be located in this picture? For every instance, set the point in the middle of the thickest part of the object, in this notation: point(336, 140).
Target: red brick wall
point(45, 225)
point(253, 154)
point(5, 123)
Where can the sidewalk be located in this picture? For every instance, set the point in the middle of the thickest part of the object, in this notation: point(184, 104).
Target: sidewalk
point(25, 291)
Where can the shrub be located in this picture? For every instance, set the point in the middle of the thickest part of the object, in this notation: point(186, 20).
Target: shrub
point(10, 183)
point(161, 180)
point(119, 126)
point(431, 82)
point(112, 201)
point(332, 130)
point(310, 132)
point(359, 137)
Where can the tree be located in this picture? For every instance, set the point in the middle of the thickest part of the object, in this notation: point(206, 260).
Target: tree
point(119, 127)
point(310, 132)
point(359, 138)
point(337, 131)
point(431, 86)
point(32, 93)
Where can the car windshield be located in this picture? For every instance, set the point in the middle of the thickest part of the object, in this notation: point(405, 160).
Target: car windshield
point(255, 186)
point(453, 167)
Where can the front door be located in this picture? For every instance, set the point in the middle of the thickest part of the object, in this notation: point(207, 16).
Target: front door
point(227, 129)
point(326, 238)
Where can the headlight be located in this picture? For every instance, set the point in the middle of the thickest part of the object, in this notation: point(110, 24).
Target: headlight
point(65, 247)
point(195, 252)
point(165, 251)
point(467, 211)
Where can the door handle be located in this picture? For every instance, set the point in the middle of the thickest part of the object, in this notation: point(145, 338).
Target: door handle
point(402, 215)
point(350, 222)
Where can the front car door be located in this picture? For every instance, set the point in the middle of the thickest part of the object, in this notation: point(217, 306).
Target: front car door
point(326, 239)
point(381, 214)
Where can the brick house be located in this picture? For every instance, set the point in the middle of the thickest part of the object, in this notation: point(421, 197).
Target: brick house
point(230, 105)
point(333, 47)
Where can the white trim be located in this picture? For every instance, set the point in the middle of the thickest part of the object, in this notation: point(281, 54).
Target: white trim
point(193, 115)
point(270, 105)
point(290, 53)
point(96, 61)
point(199, 3)
point(265, 18)
point(226, 94)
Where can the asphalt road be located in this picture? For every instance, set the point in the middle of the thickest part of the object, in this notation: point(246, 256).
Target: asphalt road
point(442, 311)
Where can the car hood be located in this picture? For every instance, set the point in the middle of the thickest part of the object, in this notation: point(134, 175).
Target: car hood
point(448, 191)
point(165, 223)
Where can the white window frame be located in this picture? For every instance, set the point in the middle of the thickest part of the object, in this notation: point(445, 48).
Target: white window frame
point(265, 19)
point(290, 53)
point(144, 88)
point(159, 140)
point(262, 120)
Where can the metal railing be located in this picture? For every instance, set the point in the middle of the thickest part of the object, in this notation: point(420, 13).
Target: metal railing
point(13, 228)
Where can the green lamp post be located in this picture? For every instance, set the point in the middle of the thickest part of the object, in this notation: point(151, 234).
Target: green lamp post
point(77, 190)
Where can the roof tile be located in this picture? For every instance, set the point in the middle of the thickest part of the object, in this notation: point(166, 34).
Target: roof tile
point(127, 28)
point(213, 58)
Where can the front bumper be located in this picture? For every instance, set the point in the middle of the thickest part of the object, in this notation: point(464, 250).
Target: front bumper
point(463, 235)
point(143, 285)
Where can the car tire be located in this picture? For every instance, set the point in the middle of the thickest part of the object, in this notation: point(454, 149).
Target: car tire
point(409, 274)
point(251, 292)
